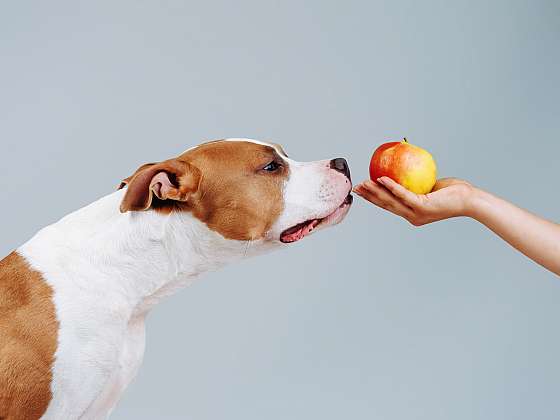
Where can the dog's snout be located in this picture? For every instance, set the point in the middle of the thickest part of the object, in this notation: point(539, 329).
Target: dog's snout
point(340, 165)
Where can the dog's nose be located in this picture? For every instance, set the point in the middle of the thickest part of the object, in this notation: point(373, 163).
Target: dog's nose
point(340, 165)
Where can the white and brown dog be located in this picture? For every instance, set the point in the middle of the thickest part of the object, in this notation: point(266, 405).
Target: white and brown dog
point(73, 299)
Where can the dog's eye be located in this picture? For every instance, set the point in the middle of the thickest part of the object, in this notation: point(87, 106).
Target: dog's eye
point(272, 166)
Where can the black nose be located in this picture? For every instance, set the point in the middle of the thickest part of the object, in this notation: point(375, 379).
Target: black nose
point(340, 165)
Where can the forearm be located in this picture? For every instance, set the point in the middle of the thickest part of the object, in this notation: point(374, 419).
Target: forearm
point(537, 238)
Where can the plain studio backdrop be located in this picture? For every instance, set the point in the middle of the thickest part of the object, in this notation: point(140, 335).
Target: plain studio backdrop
point(372, 319)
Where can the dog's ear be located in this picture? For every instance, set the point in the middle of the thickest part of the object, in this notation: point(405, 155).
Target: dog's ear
point(169, 180)
point(125, 181)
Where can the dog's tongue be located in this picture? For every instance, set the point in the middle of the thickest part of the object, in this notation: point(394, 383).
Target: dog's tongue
point(299, 231)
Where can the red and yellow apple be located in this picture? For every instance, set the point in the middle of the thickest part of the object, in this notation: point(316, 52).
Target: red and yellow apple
point(409, 165)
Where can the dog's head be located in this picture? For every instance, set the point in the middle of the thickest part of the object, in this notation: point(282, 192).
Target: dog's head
point(244, 190)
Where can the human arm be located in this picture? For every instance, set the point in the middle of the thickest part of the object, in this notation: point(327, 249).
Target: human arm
point(537, 238)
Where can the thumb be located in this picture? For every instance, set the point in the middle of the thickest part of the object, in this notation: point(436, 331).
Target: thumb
point(447, 182)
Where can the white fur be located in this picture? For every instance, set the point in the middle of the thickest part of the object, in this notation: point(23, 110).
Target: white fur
point(108, 269)
point(313, 192)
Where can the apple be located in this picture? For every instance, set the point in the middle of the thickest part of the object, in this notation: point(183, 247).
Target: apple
point(409, 165)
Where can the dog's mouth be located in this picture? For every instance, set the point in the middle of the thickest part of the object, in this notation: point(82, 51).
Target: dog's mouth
point(301, 230)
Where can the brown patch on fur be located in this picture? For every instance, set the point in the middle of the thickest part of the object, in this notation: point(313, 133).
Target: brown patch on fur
point(28, 337)
point(234, 195)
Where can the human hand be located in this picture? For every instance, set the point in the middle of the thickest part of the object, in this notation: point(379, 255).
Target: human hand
point(450, 197)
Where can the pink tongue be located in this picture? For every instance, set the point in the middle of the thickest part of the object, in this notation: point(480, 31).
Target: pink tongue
point(301, 232)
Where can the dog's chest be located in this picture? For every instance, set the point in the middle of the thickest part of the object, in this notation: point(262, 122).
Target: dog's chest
point(101, 378)
point(129, 361)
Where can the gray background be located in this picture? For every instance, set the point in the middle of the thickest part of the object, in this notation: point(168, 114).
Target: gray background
point(373, 319)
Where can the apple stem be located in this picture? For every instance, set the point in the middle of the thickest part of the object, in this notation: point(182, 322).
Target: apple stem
point(405, 140)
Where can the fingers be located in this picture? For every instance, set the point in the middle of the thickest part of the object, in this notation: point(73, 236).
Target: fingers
point(417, 209)
point(408, 197)
point(381, 197)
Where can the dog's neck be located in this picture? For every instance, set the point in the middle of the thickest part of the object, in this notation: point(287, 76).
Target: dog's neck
point(138, 257)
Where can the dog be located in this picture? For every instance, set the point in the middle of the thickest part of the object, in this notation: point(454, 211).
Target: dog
point(74, 298)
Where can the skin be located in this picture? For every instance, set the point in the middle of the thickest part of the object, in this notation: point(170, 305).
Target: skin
point(537, 238)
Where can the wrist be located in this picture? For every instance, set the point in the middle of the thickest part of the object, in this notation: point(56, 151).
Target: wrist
point(475, 202)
